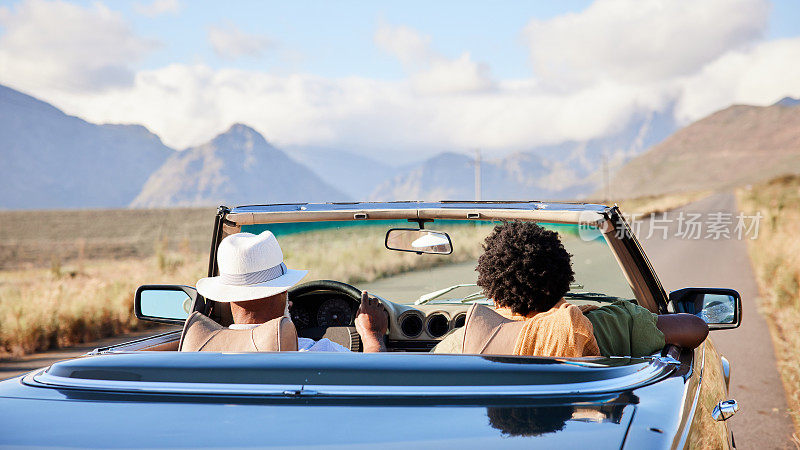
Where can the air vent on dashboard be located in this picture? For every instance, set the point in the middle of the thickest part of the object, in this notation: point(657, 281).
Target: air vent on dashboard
point(438, 325)
point(411, 325)
point(459, 321)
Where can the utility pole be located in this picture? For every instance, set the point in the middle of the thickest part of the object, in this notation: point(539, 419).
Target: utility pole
point(606, 193)
point(477, 174)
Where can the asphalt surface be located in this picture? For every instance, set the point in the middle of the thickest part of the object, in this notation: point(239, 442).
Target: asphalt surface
point(762, 420)
point(405, 288)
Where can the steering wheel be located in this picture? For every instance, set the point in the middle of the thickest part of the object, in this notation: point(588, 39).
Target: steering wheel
point(326, 285)
point(346, 336)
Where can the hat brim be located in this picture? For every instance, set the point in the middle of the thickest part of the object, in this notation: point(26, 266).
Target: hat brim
point(213, 288)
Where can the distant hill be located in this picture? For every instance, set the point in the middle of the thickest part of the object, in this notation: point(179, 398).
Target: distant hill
point(642, 131)
point(735, 146)
point(355, 175)
point(52, 160)
point(236, 167)
point(569, 170)
point(788, 102)
point(447, 176)
point(451, 176)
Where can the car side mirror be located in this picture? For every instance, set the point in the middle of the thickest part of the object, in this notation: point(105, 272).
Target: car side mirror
point(719, 308)
point(419, 241)
point(165, 303)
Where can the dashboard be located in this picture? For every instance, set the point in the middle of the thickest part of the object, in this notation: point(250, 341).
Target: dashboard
point(331, 314)
point(323, 309)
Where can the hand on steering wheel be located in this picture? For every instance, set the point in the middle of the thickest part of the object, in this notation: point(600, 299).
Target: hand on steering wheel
point(371, 322)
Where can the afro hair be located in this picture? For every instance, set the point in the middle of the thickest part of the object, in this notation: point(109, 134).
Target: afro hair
point(524, 267)
point(534, 421)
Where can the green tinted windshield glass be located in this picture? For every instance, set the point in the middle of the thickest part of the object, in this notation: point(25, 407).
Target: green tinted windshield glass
point(353, 252)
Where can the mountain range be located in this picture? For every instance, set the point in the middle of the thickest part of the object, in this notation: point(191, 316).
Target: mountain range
point(569, 170)
point(237, 167)
point(353, 174)
point(738, 145)
point(53, 160)
point(452, 176)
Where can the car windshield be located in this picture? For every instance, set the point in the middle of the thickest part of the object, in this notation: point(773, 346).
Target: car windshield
point(354, 252)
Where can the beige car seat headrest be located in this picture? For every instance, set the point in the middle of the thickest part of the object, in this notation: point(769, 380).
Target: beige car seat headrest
point(202, 334)
point(488, 333)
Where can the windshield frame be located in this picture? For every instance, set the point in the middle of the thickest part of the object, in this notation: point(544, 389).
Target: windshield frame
point(623, 244)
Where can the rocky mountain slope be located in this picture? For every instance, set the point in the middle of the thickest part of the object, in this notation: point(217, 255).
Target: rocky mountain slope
point(738, 145)
point(53, 160)
point(355, 175)
point(236, 167)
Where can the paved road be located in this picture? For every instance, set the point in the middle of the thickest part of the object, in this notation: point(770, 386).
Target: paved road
point(407, 287)
point(762, 421)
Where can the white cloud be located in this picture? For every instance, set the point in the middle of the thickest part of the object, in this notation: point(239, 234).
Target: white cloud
point(158, 7)
point(65, 47)
point(446, 76)
point(760, 75)
point(407, 44)
point(445, 103)
point(230, 42)
point(190, 104)
point(635, 41)
point(430, 71)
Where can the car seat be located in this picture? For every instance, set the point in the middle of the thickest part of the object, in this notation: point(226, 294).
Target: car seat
point(201, 333)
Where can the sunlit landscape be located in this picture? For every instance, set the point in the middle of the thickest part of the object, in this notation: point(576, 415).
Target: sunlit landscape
point(129, 131)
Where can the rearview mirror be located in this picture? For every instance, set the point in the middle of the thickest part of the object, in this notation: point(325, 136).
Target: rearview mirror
point(719, 308)
point(419, 241)
point(164, 303)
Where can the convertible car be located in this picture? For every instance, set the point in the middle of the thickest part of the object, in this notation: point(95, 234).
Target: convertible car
point(419, 258)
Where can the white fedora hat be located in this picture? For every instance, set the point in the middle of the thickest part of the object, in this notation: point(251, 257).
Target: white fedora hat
point(250, 267)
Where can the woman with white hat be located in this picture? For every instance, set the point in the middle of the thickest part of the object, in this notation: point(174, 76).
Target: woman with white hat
point(254, 280)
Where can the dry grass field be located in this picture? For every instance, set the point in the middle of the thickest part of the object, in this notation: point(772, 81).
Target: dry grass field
point(51, 238)
point(74, 286)
point(776, 259)
point(68, 276)
point(41, 308)
point(642, 207)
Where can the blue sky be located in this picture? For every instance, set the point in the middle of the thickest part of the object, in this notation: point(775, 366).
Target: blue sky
point(412, 77)
point(334, 39)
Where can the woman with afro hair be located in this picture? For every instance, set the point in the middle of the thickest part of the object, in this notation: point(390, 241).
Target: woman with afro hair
point(524, 268)
point(526, 271)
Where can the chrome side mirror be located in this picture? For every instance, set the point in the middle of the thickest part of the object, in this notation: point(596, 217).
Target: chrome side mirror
point(725, 410)
point(165, 303)
point(719, 308)
point(419, 241)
